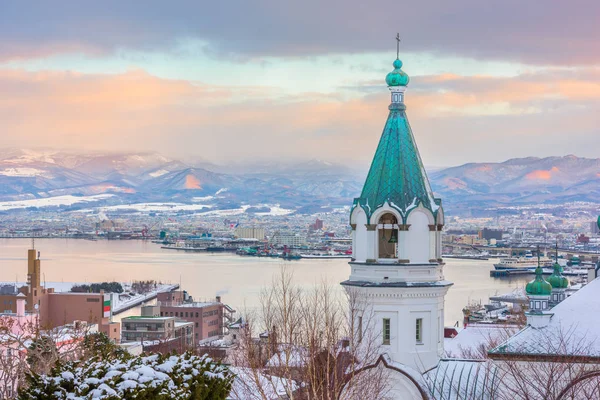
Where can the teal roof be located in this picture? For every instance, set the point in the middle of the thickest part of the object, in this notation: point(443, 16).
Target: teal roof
point(538, 286)
point(397, 77)
point(557, 280)
point(397, 175)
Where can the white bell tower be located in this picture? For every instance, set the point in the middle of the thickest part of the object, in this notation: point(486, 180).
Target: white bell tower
point(396, 269)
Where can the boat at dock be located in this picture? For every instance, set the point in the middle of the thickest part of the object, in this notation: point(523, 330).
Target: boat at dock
point(520, 263)
point(466, 256)
point(323, 255)
point(567, 271)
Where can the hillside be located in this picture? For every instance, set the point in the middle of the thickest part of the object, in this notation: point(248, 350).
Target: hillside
point(312, 185)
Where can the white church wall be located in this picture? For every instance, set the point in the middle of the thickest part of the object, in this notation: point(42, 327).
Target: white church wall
point(403, 306)
point(359, 246)
point(418, 237)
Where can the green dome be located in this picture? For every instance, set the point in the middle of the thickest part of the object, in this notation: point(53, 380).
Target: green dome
point(397, 77)
point(557, 280)
point(538, 286)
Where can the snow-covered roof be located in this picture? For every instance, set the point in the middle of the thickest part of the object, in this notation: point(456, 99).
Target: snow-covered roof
point(251, 384)
point(288, 356)
point(462, 379)
point(573, 329)
point(476, 339)
point(196, 304)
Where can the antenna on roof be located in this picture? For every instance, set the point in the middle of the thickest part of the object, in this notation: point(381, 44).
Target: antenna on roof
point(32, 243)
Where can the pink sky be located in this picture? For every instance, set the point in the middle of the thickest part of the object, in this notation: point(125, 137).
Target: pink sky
point(483, 96)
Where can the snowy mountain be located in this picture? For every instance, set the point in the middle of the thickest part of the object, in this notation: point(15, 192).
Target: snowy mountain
point(131, 178)
point(521, 180)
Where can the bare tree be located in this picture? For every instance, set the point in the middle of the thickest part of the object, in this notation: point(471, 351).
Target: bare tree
point(308, 346)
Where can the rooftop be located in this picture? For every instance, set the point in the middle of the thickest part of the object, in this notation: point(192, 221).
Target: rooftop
point(397, 175)
point(573, 330)
point(196, 304)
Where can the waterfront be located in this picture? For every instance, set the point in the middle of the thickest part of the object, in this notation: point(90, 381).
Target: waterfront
point(238, 279)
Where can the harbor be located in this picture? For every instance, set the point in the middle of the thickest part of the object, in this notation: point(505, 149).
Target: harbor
point(239, 278)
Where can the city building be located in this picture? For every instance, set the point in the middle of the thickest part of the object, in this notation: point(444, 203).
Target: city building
point(250, 233)
point(489, 234)
point(595, 227)
point(168, 333)
point(292, 240)
point(317, 226)
point(209, 318)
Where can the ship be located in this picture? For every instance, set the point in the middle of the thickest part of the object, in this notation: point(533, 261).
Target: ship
point(521, 263)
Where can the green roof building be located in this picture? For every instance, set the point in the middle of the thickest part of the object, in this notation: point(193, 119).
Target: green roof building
point(396, 243)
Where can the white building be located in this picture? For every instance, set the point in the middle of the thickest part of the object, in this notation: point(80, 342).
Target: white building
point(250, 233)
point(288, 239)
point(397, 267)
point(397, 275)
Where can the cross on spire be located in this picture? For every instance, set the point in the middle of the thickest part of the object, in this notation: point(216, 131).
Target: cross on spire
point(398, 45)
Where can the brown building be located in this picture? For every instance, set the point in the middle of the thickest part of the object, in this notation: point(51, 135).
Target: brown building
point(158, 333)
point(57, 309)
point(209, 318)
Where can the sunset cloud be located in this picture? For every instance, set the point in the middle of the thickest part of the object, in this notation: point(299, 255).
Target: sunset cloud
point(138, 111)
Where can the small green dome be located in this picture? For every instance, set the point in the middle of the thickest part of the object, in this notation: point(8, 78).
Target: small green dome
point(397, 77)
point(557, 280)
point(538, 286)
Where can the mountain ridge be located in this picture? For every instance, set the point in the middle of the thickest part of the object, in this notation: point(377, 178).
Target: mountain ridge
point(143, 177)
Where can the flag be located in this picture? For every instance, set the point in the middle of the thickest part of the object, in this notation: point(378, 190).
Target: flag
point(106, 306)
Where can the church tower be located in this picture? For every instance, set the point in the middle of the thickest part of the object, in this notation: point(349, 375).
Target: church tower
point(396, 236)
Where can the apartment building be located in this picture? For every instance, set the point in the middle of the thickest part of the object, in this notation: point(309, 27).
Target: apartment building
point(208, 317)
point(154, 331)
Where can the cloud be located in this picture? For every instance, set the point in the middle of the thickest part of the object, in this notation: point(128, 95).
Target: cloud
point(530, 32)
point(449, 116)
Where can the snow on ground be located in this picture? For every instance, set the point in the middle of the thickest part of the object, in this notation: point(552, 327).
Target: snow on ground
point(205, 198)
point(275, 211)
point(66, 200)
point(22, 171)
point(157, 207)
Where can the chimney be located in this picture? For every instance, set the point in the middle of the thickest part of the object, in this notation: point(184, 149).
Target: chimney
point(539, 319)
point(20, 305)
point(218, 299)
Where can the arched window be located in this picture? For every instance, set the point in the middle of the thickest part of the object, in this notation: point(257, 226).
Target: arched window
point(387, 230)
